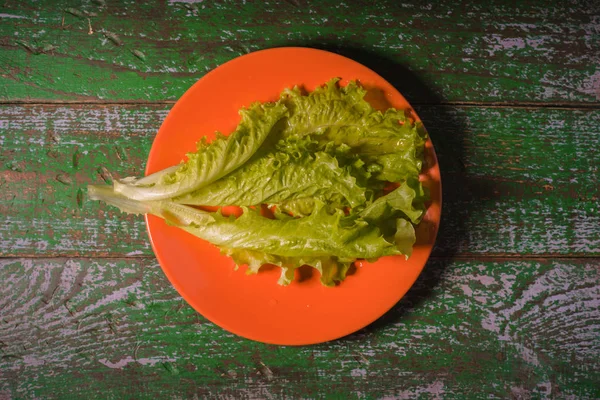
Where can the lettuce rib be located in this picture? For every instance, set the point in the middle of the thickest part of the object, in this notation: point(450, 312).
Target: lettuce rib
point(278, 178)
point(211, 162)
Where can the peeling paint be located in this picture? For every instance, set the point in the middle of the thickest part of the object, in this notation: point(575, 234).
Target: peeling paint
point(591, 85)
point(122, 363)
point(3, 15)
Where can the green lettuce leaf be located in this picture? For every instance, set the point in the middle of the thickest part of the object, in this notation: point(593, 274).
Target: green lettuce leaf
point(211, 161)
point(333, 141)
point(404, 158)
point(328, 242)
point(319, 234)
point(289, 173)
point(408, 199)
point(323, 159)
point(331, 269)
point(390, 144)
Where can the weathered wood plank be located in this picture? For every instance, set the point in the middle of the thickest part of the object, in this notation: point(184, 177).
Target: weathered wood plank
point(538, 51)
point(516, 180)
point(116, 329)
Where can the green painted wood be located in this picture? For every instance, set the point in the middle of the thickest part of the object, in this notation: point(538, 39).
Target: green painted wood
point(508, 307)
point(538, 51)
point(517, 181)
point(112, 329)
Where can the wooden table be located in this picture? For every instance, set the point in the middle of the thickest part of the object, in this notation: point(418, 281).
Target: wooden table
point(507, 307)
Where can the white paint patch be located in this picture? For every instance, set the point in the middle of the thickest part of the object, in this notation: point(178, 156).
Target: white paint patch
point(435, 390)
point(118, 295)
point(122, 363)
point(535, 43)
point(490, 323)
point(520, 393)
point(185, 1)
point(358, 372)
point(2, 15)
point(591, 85)
point(501, 44)
point(32, 361)
point(467, 290)
point(528, 355)
point(39, 34)
point(485, 280)
point(520, 26)
point(585, 228)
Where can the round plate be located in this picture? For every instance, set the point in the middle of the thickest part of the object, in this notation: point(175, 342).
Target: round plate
point(255, 306)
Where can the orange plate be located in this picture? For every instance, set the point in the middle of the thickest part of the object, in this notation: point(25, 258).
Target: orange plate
point(255, 306)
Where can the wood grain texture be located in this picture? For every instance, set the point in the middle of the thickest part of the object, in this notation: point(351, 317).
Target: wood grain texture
point(116, 329)
point(495, 51)
point(517, 181)
point(508, 307)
